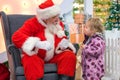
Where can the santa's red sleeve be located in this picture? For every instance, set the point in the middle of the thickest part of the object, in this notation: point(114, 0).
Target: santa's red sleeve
point(23, 38)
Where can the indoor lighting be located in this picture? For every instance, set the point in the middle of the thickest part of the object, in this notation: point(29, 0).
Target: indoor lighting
point(39, 1)
point(57, 1)
point(25, 4)
point(6, 8)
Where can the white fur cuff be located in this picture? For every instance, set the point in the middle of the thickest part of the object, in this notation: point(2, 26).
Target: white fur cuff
point(29, 45)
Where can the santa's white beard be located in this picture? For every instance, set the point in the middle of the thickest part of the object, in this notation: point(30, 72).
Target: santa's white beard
point(54, 28)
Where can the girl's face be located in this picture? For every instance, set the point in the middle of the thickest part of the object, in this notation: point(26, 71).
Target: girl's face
point(87, 29)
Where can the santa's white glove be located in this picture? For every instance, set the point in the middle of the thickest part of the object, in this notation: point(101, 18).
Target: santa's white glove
point(46, 45)
point(64, 44)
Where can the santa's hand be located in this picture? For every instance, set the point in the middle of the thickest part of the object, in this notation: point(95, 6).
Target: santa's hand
point(46, 45)
point(64, 44)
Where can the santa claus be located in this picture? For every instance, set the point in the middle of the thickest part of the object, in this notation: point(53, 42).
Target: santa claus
point(42, 39)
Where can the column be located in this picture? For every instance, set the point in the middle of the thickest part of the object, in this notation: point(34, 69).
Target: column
point(88, 9)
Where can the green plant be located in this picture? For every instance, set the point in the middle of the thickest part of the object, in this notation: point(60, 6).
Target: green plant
point(101, 9)
point(78, 1)
point(113, 20)
point(6, 64)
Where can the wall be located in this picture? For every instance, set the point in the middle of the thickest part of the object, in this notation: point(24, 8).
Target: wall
point(19, 6)
point(15, 7)
point(2, 45)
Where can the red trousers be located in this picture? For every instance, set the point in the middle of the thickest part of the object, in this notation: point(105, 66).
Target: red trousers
point(34, 65)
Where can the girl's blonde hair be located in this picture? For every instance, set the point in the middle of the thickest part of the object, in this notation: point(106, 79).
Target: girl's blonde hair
point(96, 24)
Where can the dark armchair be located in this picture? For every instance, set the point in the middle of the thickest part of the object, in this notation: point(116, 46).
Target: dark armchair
point(10, 23)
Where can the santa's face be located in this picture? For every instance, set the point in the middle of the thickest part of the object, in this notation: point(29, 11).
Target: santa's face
point(53, 20)
point(53, 24)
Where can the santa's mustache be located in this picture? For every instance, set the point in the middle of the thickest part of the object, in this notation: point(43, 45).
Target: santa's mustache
point(54, 28)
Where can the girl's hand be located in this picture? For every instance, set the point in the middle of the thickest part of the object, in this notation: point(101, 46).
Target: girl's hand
point(82, 46)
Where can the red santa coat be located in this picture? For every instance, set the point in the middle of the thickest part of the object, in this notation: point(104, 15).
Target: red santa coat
point(26, 38)
point(33, 31)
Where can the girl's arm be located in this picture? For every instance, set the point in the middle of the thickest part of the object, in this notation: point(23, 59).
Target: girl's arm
point(95, 48)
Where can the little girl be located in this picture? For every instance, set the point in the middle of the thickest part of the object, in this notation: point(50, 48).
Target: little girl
point(93, 50)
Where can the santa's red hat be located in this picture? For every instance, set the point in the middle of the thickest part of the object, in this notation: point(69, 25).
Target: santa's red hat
point(47, 10)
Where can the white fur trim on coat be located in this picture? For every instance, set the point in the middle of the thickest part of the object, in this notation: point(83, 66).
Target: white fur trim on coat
point(60, 33)
point(50, 37)
point(29, 45)
point(48, 12)
point(41, 21)
point(49, 55)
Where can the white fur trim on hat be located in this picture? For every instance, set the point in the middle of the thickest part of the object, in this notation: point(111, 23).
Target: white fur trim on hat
point(29, 45)
point(48, 12)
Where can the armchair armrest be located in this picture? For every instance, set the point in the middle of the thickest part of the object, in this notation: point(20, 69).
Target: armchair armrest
point(15, 53)
point(76, 45)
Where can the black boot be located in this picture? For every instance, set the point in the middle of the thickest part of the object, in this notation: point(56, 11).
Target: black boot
point(63, 77)
point(40, 79)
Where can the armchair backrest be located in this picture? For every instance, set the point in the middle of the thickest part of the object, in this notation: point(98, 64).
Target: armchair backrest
point(11, 23)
